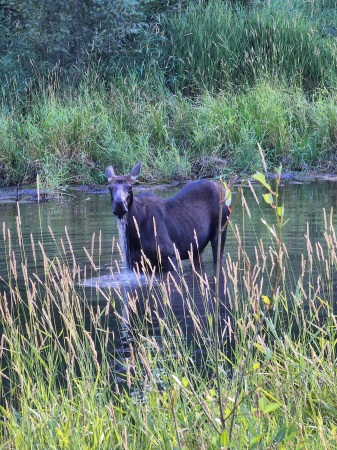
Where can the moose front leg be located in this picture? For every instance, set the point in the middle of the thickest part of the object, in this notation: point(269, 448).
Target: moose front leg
point(218, 256)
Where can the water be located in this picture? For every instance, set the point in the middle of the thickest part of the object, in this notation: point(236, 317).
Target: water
point(85, 215)
point(84, 224)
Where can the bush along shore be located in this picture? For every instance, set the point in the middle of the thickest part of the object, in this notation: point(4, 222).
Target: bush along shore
point(194, 93)
point(260, 371)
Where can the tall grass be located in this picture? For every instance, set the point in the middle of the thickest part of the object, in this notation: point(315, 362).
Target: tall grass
point(71, 137)
point(213, 45)
point(60, 351)
point(203, 86)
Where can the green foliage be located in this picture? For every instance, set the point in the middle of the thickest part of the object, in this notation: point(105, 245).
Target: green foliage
point(84, 130)
point(213, 45)
point(57, 39)
point(189, 88)
point(198, 48)
point(194, 45)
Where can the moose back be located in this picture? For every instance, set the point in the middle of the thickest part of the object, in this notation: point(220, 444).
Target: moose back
point(185, 222)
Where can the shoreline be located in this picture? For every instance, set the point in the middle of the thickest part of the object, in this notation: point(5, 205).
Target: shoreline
point(28, 193)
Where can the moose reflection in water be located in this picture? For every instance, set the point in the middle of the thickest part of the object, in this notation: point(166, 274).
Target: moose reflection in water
point(156, 228)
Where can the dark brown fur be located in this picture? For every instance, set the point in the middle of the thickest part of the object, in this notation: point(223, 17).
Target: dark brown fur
point(176, 222)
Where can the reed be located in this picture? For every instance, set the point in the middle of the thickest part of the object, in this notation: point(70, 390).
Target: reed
point(67, 382)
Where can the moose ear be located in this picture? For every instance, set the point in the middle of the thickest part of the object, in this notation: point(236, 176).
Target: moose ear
point(135, 171)
point(109, 173)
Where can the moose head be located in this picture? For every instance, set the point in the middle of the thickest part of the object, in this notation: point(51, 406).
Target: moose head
point(120, 188)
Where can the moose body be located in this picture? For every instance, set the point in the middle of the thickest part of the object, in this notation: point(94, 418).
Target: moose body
point(186, 222)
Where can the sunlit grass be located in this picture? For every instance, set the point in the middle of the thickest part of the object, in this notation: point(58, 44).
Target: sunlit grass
point(68, 382)
point(72, 138)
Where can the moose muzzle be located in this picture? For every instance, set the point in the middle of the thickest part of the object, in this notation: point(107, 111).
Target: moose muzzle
point(119, 209)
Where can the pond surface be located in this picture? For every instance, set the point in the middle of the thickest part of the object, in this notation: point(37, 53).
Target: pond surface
point(86, 218)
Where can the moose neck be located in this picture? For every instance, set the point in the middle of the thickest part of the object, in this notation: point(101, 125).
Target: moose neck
point(124, 241)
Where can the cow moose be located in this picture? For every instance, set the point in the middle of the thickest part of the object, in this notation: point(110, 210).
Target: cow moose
point(187, 221)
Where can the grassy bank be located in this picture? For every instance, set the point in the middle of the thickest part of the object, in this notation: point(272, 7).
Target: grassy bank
point(198, 89)
point(275, 389)
point(71, 137)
